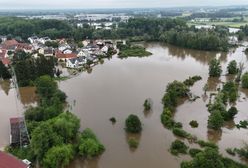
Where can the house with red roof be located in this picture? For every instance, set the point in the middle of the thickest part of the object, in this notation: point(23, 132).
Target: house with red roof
point(64, 57)
point(10, 44)
point(9, 161)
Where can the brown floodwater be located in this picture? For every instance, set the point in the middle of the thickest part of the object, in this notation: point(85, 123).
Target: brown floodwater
point(118, 87)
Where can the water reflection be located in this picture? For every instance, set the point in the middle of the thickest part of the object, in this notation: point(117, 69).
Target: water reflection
point(214, 135)
point(5, 85)
point(213, 84)
point(136, 137)
point(28, 95)
point(201, 56)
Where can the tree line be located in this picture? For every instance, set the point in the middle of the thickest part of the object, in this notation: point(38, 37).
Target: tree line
point(169, 30)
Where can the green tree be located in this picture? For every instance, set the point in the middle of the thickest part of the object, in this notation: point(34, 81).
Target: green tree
point(58, 156)
point(215, 68)
point(133, 124)
point(215, 120)
point(209, 158)
point(244, 80)
point(4, 72)
point(89, 145)
point(232, 67)
point(46, 86)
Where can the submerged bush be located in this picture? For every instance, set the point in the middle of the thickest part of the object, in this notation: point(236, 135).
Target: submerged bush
point(180, 132)
point(193, 123)
point(147, 104)
point(244, 80)
point(194, 151)
point(178, 147)
point(133, 124)
point(215, 68)
point(133, 143)
point(232, 67)
point(207, 144)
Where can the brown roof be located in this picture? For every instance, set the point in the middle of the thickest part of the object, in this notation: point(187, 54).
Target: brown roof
point(9, 161)
point(61, 55)
point(10, 43)
point(22, 46)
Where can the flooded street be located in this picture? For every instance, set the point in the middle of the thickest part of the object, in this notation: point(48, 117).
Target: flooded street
point(118, 87)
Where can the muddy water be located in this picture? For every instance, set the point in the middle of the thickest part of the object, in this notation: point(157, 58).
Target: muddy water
point(119, 87)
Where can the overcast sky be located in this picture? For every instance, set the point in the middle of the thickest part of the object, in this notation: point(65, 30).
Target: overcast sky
point(50, 4)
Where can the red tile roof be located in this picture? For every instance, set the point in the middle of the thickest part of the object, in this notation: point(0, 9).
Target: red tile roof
point(15, 120)
point(5, 61)
point(61, 55)
point(22, 46)
point(9, 161)
point(10, 43)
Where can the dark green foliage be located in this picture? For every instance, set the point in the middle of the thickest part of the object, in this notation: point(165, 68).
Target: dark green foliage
point(46, 87)
point(180, 132)
point(89, 145)
point(53, 44)
point(209, 158)
point(147, 104)
point(242, 152)
point(133, 124)
point(178, 147)
point(231, 113)
point(244, 80)
point(29, 69)
point(58, 156)
point(194, 151)
point(112, 119)
point(242, 124)
point(207, 144)
point(4, 72)
point(174, 91)
point(215, 68)
point(230, 151)
point(215, 120)
point(133, 143)
point(232, 67)
point(133, 51)
point(191, 80)
point(230, 90)
point(193, 123)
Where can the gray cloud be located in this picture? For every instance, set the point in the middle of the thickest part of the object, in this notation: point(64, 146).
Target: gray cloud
point(114, 3)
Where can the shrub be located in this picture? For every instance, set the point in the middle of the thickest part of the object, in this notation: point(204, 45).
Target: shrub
point(180, 132)
point(231, 113)
point(215, 120)
point(178, 147)
point(244, 80)
point(232, 67)
point(215, 68)
point(89, 146)
point(167, 121)
point(133, 124)
point(207, 144)
point(133, 143)
point(112, 119)
point(230, 91)
point(147, 104)
point(191, 80)
point(194, 151)
point(230, 151)
point(242, 124)
point(193, 123)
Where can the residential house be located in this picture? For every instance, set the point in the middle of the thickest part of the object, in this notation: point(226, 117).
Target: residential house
point(67, 51)
point(33, 39)
point(64, 57)
point(24, 47)
point(104, 49)
point(3, 38)
point(10, 45)
point(46, 51)
point(43, 40)
point(75, 62)
point(64, 46)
